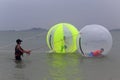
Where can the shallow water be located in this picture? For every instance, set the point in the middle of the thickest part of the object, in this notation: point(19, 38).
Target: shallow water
point(41, 65)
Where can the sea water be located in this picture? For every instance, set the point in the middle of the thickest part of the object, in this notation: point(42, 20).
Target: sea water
point(41, 65)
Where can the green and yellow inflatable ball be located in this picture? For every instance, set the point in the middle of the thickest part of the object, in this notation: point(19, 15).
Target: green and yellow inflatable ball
point(61, 38)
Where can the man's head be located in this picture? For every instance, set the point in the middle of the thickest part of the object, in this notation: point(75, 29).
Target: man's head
point(18, 41)
point(102, 49)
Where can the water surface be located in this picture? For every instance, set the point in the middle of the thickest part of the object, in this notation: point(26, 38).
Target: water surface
point(41, 65)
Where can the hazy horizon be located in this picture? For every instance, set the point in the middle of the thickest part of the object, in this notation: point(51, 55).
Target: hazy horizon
point(26, 14)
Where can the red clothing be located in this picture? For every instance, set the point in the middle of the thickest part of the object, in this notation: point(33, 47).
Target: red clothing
point(97, 53)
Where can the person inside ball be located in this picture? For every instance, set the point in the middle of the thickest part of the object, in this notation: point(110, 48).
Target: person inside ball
point(96, 53)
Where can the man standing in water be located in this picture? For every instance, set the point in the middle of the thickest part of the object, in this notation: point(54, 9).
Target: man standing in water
point(19, 51)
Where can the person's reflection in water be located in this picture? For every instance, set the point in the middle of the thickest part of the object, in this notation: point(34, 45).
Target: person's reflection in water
point(63, 67)
point(19, 64)
point(19, 71)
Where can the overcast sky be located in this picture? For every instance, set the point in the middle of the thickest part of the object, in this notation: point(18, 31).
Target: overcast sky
point(25, 14)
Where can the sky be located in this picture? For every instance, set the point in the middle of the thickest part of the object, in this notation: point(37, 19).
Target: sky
point(26, 14)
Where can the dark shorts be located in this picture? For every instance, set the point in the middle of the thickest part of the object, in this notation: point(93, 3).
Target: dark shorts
point(18, 58)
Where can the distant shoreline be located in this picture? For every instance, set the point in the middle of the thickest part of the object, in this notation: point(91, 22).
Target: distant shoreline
point(41, 29)
point(115, 30)
point(31, 29)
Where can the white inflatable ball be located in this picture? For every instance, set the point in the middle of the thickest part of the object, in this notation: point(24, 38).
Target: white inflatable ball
point(92, 38)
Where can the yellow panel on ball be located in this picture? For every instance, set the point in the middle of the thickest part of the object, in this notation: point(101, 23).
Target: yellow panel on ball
point(61, 38)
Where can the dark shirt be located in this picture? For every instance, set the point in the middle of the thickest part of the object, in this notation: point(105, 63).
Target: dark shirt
point(18, 51)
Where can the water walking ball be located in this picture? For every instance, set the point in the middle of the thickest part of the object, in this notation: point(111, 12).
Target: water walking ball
point(94, 37)
point(61, 38)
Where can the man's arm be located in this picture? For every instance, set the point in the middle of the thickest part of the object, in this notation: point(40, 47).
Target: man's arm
point(24, 51)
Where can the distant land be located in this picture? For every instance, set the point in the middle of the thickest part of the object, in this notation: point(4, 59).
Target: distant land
point(34, 29)
point(31, 29)
point(43, 29)
point(115, 30)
